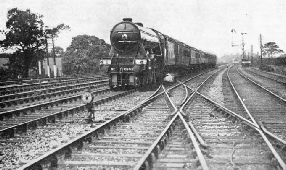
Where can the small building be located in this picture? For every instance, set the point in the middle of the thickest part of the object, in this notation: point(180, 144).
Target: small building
point(4, 59)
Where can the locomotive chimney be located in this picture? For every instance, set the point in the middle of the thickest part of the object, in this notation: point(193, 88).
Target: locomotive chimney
point(139, 23)
point(127, 19)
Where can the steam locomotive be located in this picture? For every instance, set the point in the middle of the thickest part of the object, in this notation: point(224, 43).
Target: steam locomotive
point(141, 56)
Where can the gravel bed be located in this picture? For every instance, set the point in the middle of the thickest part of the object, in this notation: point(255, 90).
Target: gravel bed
point(194, 83)
point(215, 90)
point(39, 141)
point(116, 107)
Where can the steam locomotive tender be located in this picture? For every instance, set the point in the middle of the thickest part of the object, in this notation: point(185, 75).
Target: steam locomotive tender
point(140, 56)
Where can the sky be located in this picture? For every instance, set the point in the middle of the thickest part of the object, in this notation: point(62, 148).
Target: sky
point(203, 24)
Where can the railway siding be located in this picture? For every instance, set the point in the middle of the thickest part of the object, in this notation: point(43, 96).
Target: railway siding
point(262, 112)
point(49, 94)
point(12, 89)
point(261, 104)
point(273, 85)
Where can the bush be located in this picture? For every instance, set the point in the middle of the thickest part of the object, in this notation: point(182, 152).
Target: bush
point(266, 68)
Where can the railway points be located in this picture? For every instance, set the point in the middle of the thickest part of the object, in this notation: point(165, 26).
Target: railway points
point(186, 125)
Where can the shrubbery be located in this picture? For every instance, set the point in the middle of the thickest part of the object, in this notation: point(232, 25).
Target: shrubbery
point(266, 68)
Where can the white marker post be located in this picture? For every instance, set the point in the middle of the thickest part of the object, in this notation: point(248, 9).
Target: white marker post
point(55, 71)
point(40, 68)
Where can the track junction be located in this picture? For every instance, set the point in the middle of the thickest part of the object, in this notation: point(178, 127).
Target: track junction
point(209, 121)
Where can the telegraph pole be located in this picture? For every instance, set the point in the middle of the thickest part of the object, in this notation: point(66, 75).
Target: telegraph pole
point(242, 43)
point(48, 63)
point(243, 52)
point(251, 53)
point(54, 56)
point(261, 49)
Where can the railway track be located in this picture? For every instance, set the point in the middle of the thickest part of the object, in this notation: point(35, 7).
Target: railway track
point(276, 85)
point(120, 146)
point(41, 114)
point(28, 89)
point(21, 118)
point(126, 117)
point(263, 108)
point(263, 105)
point(32, 97)
point(15, 82)
point(62, 126)
point(228, 141)
point(273, 76)
point(227, 138)
point(230, 100)
point(16, 88)
point(140, 139)
point(98, 130)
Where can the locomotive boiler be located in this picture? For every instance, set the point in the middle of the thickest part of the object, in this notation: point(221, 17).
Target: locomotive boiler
point(141, 56)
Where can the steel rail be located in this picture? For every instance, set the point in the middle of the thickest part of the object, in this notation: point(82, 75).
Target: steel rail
point(200, 139)
point(195, 143)
point(271, 134)
point(240, 99)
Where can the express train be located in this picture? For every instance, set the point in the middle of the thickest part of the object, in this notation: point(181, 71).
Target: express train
point(141, 56)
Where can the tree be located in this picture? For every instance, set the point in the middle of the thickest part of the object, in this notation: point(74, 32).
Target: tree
point(270, 49)
point(52, 33)
point(58, 51)
point(83, 54)
point(25, 34)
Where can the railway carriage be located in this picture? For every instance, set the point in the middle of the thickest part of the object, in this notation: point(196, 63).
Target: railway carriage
point(140, 56)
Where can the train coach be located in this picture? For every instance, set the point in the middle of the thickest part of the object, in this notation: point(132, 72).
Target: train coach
point(140, 56)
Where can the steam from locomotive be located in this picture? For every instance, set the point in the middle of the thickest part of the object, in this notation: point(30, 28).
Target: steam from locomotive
point(141, 56)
